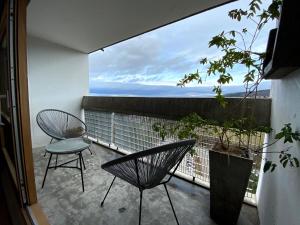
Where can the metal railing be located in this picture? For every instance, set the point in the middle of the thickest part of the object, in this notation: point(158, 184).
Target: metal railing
point(132, 133)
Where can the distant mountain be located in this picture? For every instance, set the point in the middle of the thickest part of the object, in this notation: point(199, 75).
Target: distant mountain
point(260, 94)
point(134, 89)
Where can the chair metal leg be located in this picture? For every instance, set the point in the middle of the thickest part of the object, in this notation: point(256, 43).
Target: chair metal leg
point(90, 150)
point(47, 170)
point(171, 204)
point(140, 213)
point(107, 191)
point(80, 162)
point(56, 161)
point(83, 162)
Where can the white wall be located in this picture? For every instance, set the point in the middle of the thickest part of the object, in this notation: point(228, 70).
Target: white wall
point(58, 78)
point(279, 197)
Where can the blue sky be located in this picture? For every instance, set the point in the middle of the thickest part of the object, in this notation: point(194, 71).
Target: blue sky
point(162, 57)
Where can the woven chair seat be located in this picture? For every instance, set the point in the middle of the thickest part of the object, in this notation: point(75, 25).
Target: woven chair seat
point(149, 168)
point(60, 125)
point(146, 169)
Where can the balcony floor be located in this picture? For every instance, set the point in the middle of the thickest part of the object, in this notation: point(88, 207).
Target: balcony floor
point(64, 202)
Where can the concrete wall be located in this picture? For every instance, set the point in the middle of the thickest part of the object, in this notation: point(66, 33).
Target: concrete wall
point(278, 197)
point(176, 108)
point(58, 78)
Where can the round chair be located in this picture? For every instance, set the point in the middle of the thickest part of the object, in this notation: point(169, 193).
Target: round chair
point(60, 125)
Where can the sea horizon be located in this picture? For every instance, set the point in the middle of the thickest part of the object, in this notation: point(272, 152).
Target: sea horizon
point(141, 90)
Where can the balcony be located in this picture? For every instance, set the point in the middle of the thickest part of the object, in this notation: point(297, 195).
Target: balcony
point(125, 124)
point(118, 128)
point(45, 64)
point(64, 202)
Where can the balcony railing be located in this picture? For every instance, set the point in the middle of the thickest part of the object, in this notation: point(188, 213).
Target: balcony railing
point(132, 132)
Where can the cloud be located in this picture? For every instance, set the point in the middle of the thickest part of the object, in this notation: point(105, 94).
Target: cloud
point(163, 56)
point(129, 57)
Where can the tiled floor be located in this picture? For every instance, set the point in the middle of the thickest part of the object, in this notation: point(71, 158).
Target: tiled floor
point(65, 204)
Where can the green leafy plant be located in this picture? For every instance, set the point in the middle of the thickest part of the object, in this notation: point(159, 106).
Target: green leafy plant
point(237, 48)
point(285, 158)
point(172, 129)
point(163, 129)
point(160, 128)
point(234, 136)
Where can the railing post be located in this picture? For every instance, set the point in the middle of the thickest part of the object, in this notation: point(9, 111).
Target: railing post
point(112, 134)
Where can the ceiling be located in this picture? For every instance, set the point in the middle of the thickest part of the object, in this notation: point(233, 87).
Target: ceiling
point(89, 25)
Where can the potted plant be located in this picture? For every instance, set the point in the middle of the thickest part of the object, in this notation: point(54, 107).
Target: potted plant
point(231, 159)
point(229, 165)
point(230, 162)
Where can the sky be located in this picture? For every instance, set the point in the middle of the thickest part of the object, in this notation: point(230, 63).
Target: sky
point(160, 58)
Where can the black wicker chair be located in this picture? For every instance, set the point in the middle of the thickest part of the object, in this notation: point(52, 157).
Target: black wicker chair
point(150, 168)
point(60, 125)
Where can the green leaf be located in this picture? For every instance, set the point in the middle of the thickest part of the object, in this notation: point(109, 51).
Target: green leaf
point(288, 138)
point(284, 163)
point(283, 158)
point(273, 167)
point(296, 136)
point(264, 129)
point(203, 61)
point(267, 166)
point(193, 152)
point(279, 135)
point(288, 134)
point(188, 78)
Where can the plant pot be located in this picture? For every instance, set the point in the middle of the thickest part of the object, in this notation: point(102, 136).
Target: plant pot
point(229, 176)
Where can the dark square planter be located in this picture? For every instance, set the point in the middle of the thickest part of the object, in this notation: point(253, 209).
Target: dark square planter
point(229, 176)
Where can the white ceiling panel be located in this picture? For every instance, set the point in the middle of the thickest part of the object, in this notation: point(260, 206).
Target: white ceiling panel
point(89, 25)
